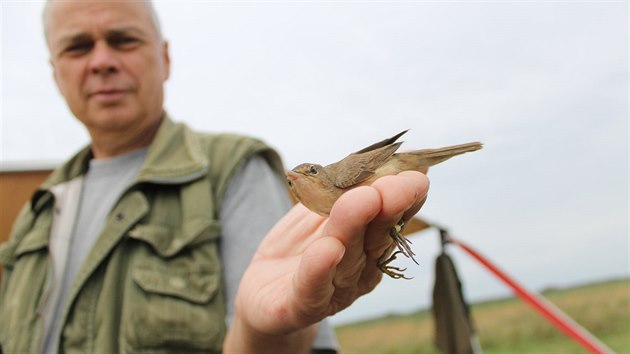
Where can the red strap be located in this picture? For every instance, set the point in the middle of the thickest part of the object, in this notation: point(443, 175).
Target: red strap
point(547, 309)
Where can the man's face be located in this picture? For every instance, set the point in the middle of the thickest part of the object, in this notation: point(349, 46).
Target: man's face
point(109, 63)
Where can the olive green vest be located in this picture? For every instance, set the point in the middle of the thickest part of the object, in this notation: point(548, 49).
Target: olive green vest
point(152, 282)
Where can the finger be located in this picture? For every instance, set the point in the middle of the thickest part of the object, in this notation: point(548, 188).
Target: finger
point(402, 196)
point(414, 209)
point(421, 195)
point(369, 279)
point(348, 220)
point(313, 282)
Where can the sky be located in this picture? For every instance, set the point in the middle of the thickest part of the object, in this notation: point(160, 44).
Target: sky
point(544, 85)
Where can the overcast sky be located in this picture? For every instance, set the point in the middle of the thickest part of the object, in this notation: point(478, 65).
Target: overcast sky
point(544, 85)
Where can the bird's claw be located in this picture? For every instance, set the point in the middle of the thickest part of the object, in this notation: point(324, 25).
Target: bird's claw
point(392, 271)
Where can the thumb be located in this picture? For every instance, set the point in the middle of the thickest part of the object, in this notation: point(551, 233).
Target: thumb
point(313, 282)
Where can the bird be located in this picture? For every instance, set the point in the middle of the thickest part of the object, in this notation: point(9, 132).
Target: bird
point(318, 187)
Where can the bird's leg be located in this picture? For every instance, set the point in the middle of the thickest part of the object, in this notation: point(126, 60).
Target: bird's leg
point(403, 247)
point(403, 243)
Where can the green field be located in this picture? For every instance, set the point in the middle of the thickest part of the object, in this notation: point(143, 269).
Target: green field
point(507, 325)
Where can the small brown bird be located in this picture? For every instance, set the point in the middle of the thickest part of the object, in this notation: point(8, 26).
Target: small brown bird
point(318, 187)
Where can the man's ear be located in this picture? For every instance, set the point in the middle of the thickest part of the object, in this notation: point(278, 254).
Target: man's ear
point(54, 72)
point(166, 60)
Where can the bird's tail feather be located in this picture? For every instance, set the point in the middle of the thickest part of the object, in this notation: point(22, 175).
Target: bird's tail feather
point(450, 150)
point(432, 157)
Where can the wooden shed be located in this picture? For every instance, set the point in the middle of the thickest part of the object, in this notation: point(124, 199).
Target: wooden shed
point(18, 181)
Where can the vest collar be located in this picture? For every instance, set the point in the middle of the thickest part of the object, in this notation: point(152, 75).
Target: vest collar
point(174, 157)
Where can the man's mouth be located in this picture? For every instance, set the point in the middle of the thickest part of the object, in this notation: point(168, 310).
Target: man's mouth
point(108, 96)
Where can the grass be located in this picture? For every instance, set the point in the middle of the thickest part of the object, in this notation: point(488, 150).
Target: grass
point(507, 325)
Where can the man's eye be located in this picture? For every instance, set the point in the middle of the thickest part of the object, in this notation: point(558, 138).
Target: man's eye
point(79, 48)
point(123, 42)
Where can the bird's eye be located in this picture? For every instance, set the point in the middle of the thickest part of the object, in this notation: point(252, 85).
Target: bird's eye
point(313, 170)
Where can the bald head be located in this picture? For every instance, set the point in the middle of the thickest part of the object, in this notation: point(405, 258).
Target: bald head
point(50, 12)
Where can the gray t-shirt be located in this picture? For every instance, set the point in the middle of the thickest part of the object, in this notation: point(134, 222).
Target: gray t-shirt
point(243, 225)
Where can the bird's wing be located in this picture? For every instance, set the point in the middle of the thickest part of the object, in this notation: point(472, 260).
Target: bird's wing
point(359, 166)
point(382, 143)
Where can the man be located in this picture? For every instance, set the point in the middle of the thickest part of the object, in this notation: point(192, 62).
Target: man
point(133, 245)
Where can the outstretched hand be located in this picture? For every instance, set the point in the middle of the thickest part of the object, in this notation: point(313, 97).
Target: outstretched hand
point(309, 267)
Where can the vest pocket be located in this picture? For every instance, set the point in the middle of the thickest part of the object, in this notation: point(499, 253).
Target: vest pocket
point(194, 286)
point(172, 307)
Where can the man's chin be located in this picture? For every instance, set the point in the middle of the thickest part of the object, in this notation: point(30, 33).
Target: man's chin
point(113, 118)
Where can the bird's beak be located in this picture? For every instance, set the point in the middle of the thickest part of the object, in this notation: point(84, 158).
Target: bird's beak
point(292, 176)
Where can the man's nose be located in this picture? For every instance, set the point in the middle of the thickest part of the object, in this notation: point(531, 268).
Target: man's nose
point(103, 60)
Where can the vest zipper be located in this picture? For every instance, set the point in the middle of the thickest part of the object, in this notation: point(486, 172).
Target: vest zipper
point(38, 339)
